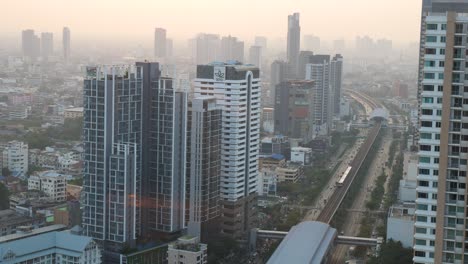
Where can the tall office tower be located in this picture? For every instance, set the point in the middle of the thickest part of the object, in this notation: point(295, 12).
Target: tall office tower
point(312, 43)
point(279, 72)
point(204, 167)
point(304, 59)
point(169, 47)
point(47, 44)
point(255, 55)
point(318, 69)
point(261, 41)
point(164, 153)
point(206, 48)
point(232, 49)
point(112, 156)
point(237, 89)
point(441, 207)
point(66, 43)
point(294, 43)
point(339, 45)
point(294, 108)
point(160, 43)
point(365, 45)
point(31, 44)
point(385, 46)
point(336, 74)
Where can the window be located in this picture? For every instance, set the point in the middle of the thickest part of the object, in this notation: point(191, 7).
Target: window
point(443, 26)
point(422, 195)
point(442, 64)
point(432, 26)
point(429, 75)
point(425, 147)
point(431, 39)
point(428, 88)
point(426, 135)
point(421, 218)
point(420, 242)
point(442, 51)
point(424, 183)
point(428, 100)
point(429, 63)
point(426, 124)
point(424, 171)
point(427, 111)
point(420, 230)
point(442, 39)
point(430, 51)
point(420, 253)
point(422, 207)
point(424, 160)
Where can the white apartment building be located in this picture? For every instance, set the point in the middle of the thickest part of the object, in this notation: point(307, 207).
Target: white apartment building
point(51, 183)
point(301, 155)
point(15, 158)
point(441, 226)
point(236, 88)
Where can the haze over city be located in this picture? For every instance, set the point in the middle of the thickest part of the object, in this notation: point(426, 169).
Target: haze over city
point(234, 132)
point(132, 21)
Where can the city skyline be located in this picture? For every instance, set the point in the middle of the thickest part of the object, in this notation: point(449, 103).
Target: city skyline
point(366, 18)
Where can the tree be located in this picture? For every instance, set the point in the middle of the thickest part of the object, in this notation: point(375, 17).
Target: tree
point(393, 252)
point(4, 197)
point(6, 172)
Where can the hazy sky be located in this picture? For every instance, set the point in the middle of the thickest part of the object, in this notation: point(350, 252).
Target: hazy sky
point(394, 19)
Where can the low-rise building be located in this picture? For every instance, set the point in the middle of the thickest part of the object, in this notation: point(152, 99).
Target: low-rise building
point(267, 182)
point(407, 188)
point(289, 173)
point(51, 183)
point(274, 145)
point(15, 158)
point(273, 161)
point(49, 247)
point(72, 113)
point(10, 220)
point(187, 250)
point(400, 224)
point(301, 155)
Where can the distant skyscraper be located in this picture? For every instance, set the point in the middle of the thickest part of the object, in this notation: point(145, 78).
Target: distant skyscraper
point(66, 43)
point(339, 45)
point(294, 108)
point(169, 47)
point(279, 72)
point(232, 49)
point(204, 167)
point(304, 58)
point(47, 44)
point(112, 156)
point(236, 88)
point(336, 74)
point(312, 43)
point(206, 48)
point(294, 42)
point(160, 43)
point(31, 44)
point(441, 207)
point(318, 69)
point(261, 41)
point(255, 55)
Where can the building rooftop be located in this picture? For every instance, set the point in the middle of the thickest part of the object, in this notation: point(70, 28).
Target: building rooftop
point(402, 211)
point(307, 242)
point(75, 109)
point(33, 232)
point(46, 241)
